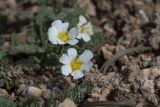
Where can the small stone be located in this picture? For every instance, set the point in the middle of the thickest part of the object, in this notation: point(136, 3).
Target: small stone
point(108, 29)
point(3, 92)
point(46, 93)
point(102, 98)
point(6, 46)
point(147, 87)
point(106, 54)
point(110, 48)
point(95, 95)
point(119, 48)
point(98, 90)
point(67, 103)
point(34, 91)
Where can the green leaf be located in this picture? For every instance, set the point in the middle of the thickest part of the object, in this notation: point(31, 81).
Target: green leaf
point(2, 40)
point(32, 36)
point(96, 39)
point(73, 17)
point(27, 64)
point(43, 2)
point(2, 54)
point(26, 48)
point(4, 66)
point(29, 101)
point(14, 39)
point(78, 93)
point(44, 13)
point(56, 97)
point(6, 102)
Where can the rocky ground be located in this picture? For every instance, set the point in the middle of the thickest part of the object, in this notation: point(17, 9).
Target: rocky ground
point(127, 24)
point(134, 77)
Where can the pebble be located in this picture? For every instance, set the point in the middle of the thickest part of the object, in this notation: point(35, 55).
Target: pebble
point(34, 91)
point(3, 92)
point(67, 103)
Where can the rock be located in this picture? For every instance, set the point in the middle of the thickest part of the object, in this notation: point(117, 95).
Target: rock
point(147, 87)
point(88, 6)
point(67, 103)
point(46, 93)
point(3, 92)
point(34, 91)
point(106, 54)
point(95, 95)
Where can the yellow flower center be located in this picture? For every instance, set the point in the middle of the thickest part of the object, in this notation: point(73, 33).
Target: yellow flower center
point(82, 28)
point(76, 64)
point(63, 36)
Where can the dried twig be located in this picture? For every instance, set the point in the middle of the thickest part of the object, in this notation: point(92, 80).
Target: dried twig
point(108, 63)
point(109, 103)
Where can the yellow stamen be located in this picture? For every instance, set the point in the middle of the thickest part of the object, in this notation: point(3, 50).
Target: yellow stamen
point(76, 64)
point(82, 29)
point(64, 36)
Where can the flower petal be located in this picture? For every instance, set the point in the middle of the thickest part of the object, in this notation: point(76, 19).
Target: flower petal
point(86, 56)
point(64, 27)
point(82, 20)
point(66, 70)
point(80, 36)
point(52, 35)
point(73, 33)
point(60, 42)
point(87, 66)
point(73, 42)
point(72, 53)
point(77, 74)
point(86, 37)
point(90, 28)
point(56, 23)
point(61, 27)
point(64, 59)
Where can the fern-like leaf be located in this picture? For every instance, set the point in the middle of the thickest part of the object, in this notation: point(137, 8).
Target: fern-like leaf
point(4, 66)
point(6, 102)
point(79, 93)
point(57, 97)
point(29, 101)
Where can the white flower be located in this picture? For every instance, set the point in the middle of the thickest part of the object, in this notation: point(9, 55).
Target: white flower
point(58, 33)
point(76, 65)
point(85, 29)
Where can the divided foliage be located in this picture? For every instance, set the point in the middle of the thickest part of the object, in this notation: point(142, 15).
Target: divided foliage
point(77, 94)
point(5, 102)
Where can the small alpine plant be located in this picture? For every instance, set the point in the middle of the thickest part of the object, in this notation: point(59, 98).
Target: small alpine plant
point(73, 64)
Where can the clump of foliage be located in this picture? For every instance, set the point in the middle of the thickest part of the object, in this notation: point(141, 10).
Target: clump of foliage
point(5, 102)
point(4, 66)
point(29, 101)
point(77, 94)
